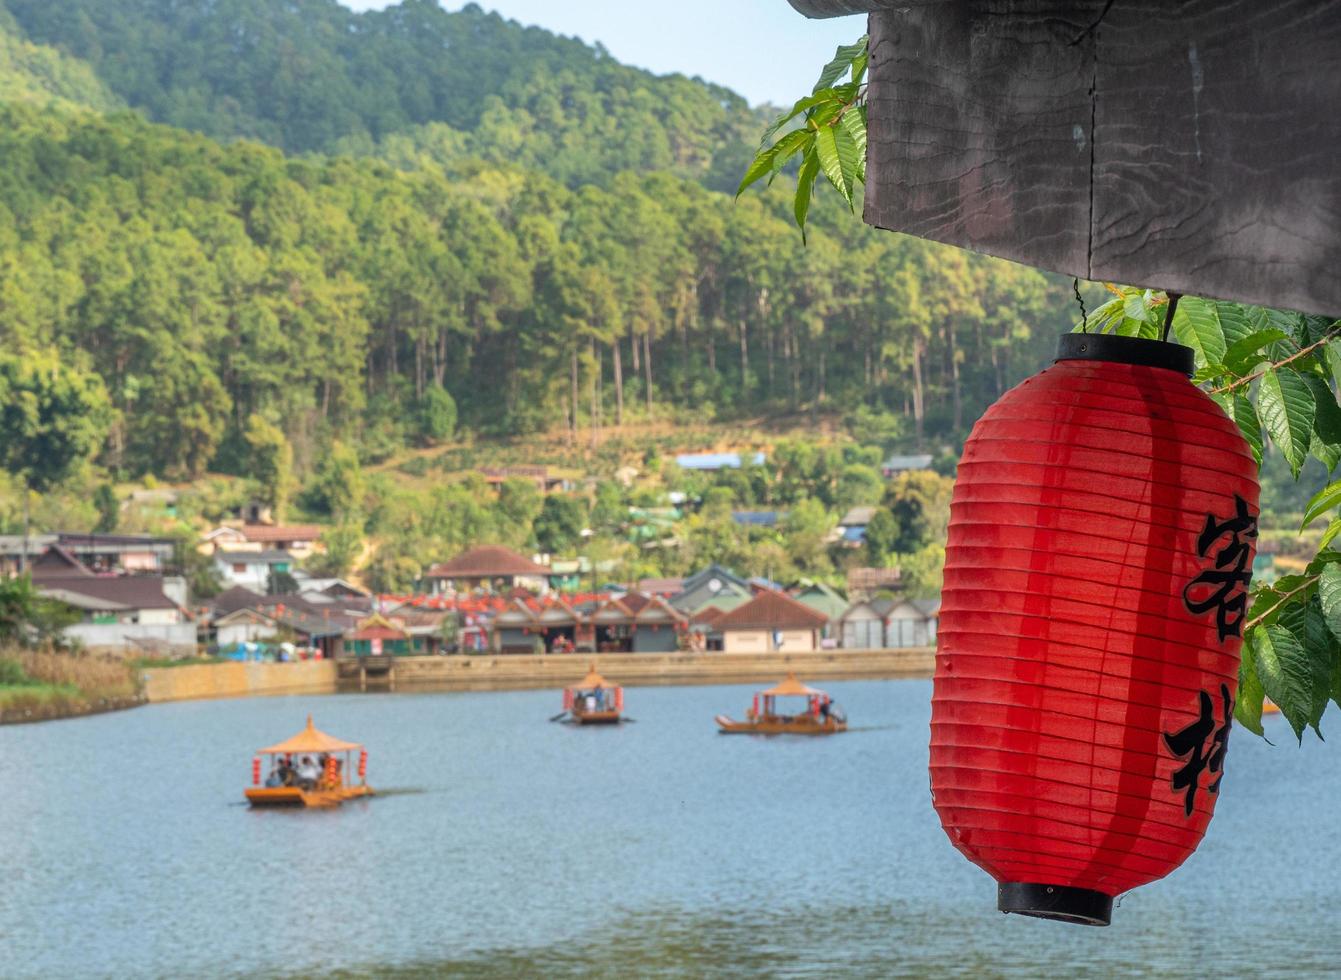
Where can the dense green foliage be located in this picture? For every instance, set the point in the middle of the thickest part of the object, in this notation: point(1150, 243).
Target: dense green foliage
point(53, 417)
point(36, 73)
point(207, 284)
point(413, 81)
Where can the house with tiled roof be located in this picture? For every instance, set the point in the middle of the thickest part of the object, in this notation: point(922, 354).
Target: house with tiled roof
point(637, 623)
point(299, 540)
point(118, 612)
point(491, 568)
point(771, 622)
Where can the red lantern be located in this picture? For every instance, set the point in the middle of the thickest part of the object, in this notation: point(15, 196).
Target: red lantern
point(363, 763)
point(256, 770)
point(567, 699)
point(619, 699)
point(1102, 533)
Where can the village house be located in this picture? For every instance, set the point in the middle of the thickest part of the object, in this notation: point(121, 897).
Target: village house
point(890, 623)
point(299, 540)
point(119, 612)
point(711, 583)
point(490, 568)
point(826, 600)
point(771, 622)
point(851, 530)
point(712, 462)
point(253, 570)
point(121, 553)
point(864, 583)
point(895, 465)
point(637, 623)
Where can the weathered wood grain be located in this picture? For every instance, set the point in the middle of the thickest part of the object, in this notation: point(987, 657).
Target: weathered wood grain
point(979, 130)
point(841, 8)
point(1189, 147)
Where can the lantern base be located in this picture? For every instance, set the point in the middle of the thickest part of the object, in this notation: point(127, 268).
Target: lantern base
point(1083, 906)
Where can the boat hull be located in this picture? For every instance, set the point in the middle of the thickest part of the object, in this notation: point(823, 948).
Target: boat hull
point(597, 718)
point(293, 796)
point(781, 725)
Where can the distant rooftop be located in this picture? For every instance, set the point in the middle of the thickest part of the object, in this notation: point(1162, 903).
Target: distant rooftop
point(900, 464)
point(715, 461)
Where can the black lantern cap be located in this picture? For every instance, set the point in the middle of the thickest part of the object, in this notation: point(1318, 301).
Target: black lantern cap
point(1125, 350)
point(1083, 906)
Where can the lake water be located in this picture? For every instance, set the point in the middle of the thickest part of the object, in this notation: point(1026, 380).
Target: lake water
point(508, 846)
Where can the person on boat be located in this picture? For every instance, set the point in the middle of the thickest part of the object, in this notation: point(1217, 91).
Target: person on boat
point(824, 708)
point(308, 773)
point(276, 777)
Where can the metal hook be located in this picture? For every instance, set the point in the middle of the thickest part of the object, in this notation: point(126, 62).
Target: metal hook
point(1168, 313)
point(1084, 317)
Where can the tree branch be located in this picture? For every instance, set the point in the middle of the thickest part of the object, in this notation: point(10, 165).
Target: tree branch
point(1233, 385)
point(1256, 620)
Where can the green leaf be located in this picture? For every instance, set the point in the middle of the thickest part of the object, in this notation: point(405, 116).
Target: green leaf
point(1326, 443)
point(1244, 354)
point(1321, 502)
point(1286, 407)
point(763, 164)
point(1311, 628)
point(802, 105)
point(854, 124)
point(797, 141)
point(1333, 529)
point(1248, 707)
point(1245, 417)
point(1288, 674)
point(1329, 598)
point(1238, 321)
point(826, 147)
point(1196, 324)
point(804, 185)
point(842, 61)
point(1332, 354)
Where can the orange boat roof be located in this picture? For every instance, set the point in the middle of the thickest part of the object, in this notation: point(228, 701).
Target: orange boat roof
point(591, 681)
point(790, 685)
point(311, 739)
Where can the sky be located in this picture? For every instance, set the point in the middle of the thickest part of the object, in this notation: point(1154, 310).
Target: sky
point(761, 48)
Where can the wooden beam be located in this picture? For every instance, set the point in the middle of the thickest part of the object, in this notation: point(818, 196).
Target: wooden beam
point(1188, 147)
point(843, 8)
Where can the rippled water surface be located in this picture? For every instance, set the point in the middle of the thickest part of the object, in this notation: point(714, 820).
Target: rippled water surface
point(508, 846)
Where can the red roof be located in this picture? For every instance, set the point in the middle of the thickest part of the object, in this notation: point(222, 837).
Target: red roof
point(487, 561)
point(772, 610)
point(266, 533)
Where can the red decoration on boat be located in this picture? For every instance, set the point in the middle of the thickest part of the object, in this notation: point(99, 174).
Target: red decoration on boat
point(1102, 534)
point(256, 770)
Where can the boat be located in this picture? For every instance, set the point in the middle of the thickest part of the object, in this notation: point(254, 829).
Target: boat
point(328, 785)
point(594, 700)
point(820, 717)
point(1270, 707)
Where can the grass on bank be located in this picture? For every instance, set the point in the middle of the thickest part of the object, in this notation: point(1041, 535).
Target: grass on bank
point(37, 679)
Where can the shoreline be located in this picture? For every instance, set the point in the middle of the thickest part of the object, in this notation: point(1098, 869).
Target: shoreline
point(59, 710)
point(510, 672)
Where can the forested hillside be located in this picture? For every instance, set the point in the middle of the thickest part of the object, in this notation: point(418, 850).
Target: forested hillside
point(339, 298)
point(36, 73)
point(312, 75)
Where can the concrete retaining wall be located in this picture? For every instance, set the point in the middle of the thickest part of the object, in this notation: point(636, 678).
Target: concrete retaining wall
point(514, 671)
point(235, 680)
point(517, 671)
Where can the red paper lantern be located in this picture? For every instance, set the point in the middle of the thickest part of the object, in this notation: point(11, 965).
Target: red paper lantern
point(1102, 533)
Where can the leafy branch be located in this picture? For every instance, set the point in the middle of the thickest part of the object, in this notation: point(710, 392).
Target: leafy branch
point(1275, 373)
point(829, 135)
